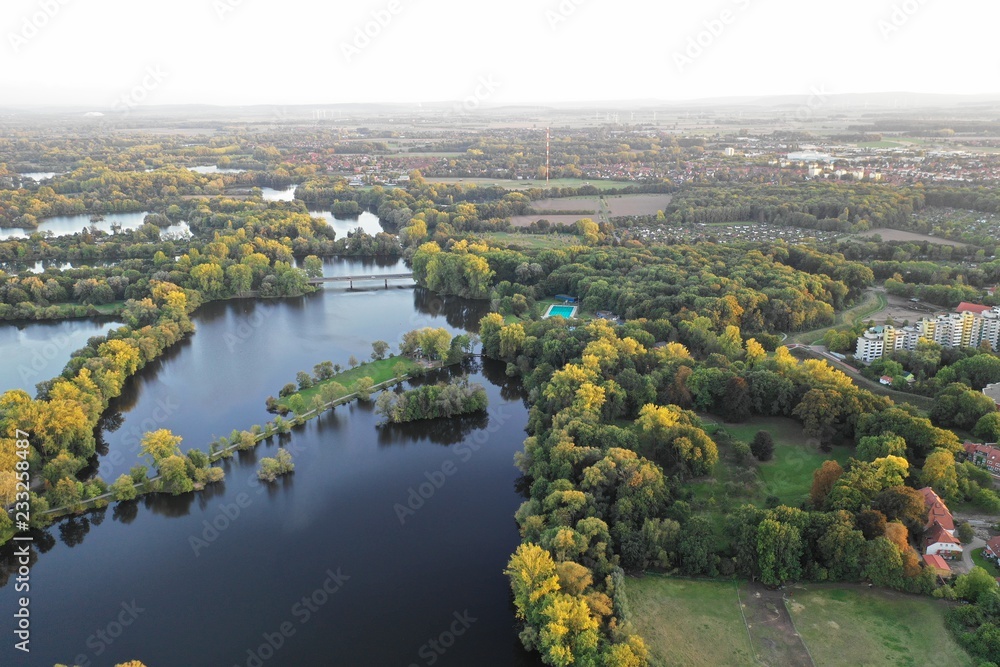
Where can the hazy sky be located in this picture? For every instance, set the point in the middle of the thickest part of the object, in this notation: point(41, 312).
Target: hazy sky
point(94, 52)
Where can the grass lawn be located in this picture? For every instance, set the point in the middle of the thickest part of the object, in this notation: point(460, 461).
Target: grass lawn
point(699, 622)
point(879, 144)
point(689, 623)
point(533, 241)
point(378, 371)
point(112, 307)
point(789, 474)
point(855, 626)
point(979, 559)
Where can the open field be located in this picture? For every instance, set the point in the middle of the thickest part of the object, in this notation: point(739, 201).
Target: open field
point(533, 241)
point(860, 626)
point(526, 220)
point(570, 209)
point(590, 204)
point(379, 371)
point(637, 204)
point(899, 309)
point(527, 184)
point(701, 622)
point(689, 623)
point(899, 235)
point(879, 144)
point(789, 474)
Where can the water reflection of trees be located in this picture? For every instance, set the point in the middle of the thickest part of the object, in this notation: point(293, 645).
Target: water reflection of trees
point(439, 431)
point(458, 312)
point(73, 530)
point(125, 512)
point(511, 388)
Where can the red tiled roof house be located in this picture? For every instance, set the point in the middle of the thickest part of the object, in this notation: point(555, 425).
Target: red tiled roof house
point(984, 456)
point(992, 550)
point(939, 534)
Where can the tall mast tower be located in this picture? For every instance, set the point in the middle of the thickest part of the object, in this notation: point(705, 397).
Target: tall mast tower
point(548, 138)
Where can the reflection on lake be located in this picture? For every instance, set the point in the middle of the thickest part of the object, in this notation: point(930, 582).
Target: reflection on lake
point(213, 169)
point(361, 266)
point(35, 351)
point(65, 225)
point(367, 221)
point(287, 194)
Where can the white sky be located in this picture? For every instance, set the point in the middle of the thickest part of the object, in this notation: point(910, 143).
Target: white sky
point(91, 52)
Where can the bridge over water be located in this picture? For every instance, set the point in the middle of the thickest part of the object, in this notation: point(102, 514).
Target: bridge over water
point(385, 277)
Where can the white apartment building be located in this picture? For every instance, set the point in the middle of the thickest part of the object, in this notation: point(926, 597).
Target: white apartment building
point(969, 327)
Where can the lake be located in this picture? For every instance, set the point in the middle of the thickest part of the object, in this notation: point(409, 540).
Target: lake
point(384, 539)
point(213, 169)
point(367, 221)
point(64, 225)
point(37, 351)
point(363, 266)
point(286, 194)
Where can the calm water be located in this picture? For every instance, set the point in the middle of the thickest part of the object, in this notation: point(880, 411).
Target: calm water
point(405, 580)
point(213, 169)
point(288, 194)
point(368, 266)
point(343, 226)
point(37, 351)
point(64, 225)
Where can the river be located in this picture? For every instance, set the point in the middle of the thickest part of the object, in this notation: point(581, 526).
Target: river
point(411, 526)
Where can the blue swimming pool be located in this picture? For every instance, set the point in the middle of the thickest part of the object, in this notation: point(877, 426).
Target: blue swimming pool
point(564, 312)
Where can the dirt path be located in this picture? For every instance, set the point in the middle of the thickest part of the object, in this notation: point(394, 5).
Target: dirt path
point(775, 639)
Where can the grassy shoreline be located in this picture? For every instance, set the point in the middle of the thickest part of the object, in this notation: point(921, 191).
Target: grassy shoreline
point(380, 371)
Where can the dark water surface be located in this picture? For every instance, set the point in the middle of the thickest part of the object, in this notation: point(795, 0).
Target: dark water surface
point(326, 564)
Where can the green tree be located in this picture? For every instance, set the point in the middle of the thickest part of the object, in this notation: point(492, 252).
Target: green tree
point(364, 387)
point(123, 489)
point(313, 266)
point(762, 446)
point(174, 475)
point(779, 552)
point(987, 429)
point(379, 349)
point(940, 474)
point(323, 371)
point(240, 279)
point(160, 445)
point(878, 446)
